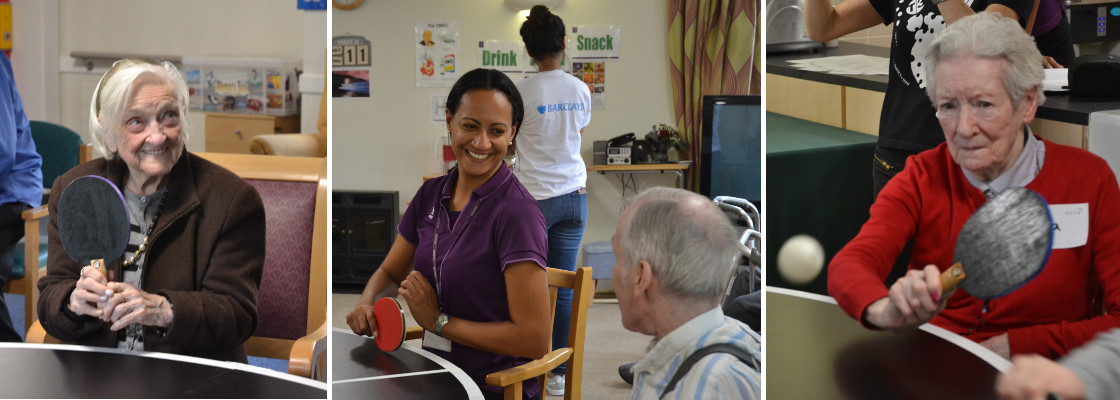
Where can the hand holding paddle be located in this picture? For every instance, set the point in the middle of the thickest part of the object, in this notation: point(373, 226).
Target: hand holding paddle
point(131, 305)
point(913, 299)
point(1002, 246)
point(92, 289)
point(93, 226)
point(384, 321)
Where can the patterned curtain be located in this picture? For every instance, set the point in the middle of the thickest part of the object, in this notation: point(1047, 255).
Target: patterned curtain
point(715, 48)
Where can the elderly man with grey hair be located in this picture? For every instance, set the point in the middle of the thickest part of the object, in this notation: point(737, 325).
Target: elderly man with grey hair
point(675, 253)
point(984, 81)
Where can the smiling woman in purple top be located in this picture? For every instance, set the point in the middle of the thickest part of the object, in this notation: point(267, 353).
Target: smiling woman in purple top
point(484, 287)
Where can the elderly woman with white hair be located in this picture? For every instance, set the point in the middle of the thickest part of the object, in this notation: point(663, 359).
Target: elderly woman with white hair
point(188, 280)
point(985, 82)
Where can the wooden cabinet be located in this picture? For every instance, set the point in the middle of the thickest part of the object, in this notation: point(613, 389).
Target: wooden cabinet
point(803, 99)
point(231, 133)
point(845, 107)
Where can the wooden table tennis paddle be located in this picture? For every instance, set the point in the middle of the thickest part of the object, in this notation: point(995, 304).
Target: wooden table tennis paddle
point(93, 221)
point(389, 317)
point(1002, 246)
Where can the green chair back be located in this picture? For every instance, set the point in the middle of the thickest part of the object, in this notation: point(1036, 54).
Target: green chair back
point(60, 149)
point(59, 146)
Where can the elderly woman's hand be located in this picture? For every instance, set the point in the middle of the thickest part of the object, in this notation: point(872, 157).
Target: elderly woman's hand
point(913, 300)
point(132, 305)
point(91, 290)
point(1036, 377)
point(421, 299)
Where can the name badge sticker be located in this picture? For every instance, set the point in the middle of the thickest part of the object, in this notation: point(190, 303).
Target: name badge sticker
point(434, 341)
point(1071, 225)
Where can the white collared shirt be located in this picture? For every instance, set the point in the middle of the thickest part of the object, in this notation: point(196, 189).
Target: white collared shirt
point(716, 376)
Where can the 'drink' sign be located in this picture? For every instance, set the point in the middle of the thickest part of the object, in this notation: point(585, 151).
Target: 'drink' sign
point(503, 55)
point(596, 42)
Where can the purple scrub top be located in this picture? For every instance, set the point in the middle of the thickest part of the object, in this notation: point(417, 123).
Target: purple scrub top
point(500, 225)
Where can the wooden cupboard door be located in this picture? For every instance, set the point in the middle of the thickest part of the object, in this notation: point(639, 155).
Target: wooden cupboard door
point(226, 133)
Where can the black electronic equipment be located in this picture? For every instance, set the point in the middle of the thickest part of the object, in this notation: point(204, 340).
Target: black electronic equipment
point(1094, 21)
point(731, 147)
point(1095, 75)
point(620, 140)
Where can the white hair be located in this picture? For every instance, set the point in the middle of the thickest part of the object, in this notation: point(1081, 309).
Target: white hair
point(687, 240)
point(989, 35)
point(114, 91)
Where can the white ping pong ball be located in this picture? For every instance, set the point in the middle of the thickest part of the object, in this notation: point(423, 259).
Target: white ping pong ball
point(800, 259)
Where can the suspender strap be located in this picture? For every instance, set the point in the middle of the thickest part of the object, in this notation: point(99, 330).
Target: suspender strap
point(695, 357)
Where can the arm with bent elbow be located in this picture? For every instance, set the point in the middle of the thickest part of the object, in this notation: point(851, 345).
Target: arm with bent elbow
point(823, 22)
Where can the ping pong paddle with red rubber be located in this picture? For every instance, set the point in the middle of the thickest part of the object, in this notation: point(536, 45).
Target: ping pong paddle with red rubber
point(1002, 246)
point(93, 221)
point(389, 317)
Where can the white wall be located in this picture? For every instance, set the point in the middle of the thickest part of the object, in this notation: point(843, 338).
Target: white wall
point(35, 56)
point(246, 28)
point(386, 143)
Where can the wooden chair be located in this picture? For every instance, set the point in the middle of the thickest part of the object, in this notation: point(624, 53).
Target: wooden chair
point(30, 263)
point(292, 321)
point(289, 329)
point(511, 379)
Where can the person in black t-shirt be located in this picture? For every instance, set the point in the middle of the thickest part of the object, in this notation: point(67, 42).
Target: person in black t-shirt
point(907, 125)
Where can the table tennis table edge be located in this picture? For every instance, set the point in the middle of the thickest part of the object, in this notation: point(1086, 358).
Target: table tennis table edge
point(995, 360)
point(233, 365)
point(473, 391)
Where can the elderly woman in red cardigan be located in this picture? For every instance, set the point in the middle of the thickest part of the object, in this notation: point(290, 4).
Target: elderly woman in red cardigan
point(985, 81)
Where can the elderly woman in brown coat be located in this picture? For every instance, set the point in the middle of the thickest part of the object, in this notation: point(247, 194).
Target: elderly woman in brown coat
point(188, 281)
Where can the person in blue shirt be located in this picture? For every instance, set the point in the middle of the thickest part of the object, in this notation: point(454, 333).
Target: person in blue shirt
point(21, 183)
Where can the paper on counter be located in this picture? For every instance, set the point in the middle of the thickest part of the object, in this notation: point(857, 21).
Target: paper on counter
point(856, 64)
point(1056, 80)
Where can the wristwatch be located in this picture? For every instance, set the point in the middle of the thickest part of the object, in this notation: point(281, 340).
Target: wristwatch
point(441, 320)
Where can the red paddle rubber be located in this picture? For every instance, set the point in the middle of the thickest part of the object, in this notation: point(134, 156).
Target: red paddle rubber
point(390, 324)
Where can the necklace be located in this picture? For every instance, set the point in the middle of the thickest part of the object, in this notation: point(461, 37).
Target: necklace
point(144, 243)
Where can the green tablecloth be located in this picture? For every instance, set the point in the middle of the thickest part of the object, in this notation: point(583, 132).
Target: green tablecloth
point(818, 182)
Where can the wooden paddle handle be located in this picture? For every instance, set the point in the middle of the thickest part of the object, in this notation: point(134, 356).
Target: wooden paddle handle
point(951, 278)
point(99, 265)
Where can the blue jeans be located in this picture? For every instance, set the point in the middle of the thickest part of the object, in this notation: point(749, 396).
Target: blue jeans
point(565, 217)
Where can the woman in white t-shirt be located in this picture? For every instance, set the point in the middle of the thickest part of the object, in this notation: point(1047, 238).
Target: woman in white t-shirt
point(549, 165)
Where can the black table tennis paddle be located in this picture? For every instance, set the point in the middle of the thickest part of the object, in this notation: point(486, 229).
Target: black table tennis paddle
point(1002, 246)
point(93, 221)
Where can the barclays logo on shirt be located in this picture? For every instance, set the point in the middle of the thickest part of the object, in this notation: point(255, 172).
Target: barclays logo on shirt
point(543, 108)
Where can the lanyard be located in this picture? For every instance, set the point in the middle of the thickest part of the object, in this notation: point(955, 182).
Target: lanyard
point(436, 267)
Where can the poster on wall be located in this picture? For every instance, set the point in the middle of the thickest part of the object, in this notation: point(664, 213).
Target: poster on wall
point(437, 109)
point(350, 65)
point(507, 56)
point(437, 54)
point(594, 74)
point(596, 43)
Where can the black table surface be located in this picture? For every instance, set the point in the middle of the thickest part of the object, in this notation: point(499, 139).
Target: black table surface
point(67, 371)
point(816, 351)
point(361, 370)
point(1059, 107)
